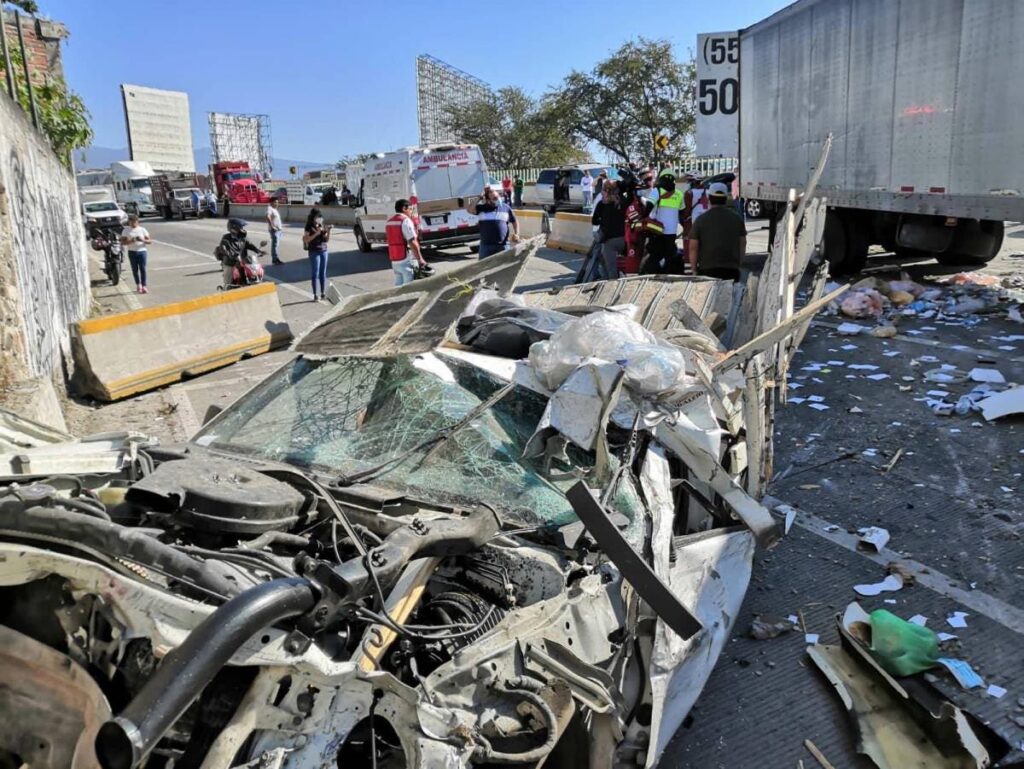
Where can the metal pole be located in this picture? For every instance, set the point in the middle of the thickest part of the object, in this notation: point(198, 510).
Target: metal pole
point(8, 67)
point(28, 77)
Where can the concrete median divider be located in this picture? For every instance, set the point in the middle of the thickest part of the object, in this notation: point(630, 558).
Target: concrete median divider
point(120, 355)
point(571, 232)
point(532, 222)
point(256, 214)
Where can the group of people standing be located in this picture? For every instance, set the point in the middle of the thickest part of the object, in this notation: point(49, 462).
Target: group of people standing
point(645, 222)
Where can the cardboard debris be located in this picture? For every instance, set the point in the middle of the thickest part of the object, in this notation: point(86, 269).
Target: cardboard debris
point(874, 537)
point(1003, 404)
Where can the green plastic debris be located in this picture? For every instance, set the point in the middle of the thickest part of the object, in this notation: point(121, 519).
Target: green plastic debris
point(902, 648)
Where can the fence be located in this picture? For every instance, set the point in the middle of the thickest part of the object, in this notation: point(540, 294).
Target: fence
point(702, 167)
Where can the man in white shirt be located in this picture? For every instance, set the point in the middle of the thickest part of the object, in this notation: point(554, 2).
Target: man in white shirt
point(587, 186)
point(274, 226)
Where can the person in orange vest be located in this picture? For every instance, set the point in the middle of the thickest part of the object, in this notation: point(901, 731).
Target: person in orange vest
point(403, 244)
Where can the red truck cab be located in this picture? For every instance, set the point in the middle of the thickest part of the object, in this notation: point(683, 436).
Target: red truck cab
point(228, 171)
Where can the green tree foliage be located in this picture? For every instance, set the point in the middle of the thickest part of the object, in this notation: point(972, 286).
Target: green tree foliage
point(28, 6)
point(515, 131)
point(638, 93)
point(63, 117)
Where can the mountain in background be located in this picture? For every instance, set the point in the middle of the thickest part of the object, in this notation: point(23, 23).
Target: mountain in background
point(102, 157)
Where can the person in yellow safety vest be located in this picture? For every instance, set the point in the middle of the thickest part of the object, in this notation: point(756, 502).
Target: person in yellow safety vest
point(668, 206)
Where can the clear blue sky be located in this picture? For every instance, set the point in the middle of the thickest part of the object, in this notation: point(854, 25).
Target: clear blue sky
point(338, 77)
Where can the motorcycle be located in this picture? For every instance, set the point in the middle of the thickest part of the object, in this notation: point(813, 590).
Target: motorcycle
point(108, 241)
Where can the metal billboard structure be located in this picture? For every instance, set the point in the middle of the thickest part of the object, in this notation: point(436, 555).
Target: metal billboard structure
point(439, 87)
point(159, 128)
point(235, 137)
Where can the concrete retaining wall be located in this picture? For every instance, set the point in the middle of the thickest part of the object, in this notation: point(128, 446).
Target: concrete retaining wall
point(44, 273)
point(571, 232)
point(342, 216)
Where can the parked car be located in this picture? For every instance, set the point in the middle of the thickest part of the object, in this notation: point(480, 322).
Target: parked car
point(565, 180)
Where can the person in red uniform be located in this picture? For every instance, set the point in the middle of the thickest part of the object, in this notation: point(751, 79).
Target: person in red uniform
point(403, 244)
point(506, 189)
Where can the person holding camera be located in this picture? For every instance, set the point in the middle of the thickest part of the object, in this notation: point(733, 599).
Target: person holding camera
point(610, 216)
point(314, 240)
point(497, 222)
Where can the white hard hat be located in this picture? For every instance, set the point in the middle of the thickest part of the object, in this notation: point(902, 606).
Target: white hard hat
point(717, 188)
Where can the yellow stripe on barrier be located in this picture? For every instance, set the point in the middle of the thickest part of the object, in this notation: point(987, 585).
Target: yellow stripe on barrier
point(108, 322)
point(566, 216)
point(528, 213)
point(165, 375)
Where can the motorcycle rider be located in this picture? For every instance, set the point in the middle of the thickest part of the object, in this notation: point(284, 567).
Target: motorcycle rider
point(234, 247)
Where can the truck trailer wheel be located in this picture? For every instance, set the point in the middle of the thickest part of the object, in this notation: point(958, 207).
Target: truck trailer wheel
point(974, 243)
point(361, 241)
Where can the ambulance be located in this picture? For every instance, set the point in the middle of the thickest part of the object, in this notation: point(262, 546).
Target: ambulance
point(437, 180)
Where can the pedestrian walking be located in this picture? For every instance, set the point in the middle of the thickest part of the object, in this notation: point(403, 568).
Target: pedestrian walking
point(668, 202)
point(403, 244)
point(497, 222)
point(587, 188)
point(718, 239)
point(274, 227)
point(610, 216)
point(517, 187)
point(136, 238)
point(197, 202)
point(211, 203)
point(506, 189)
point(315, 239)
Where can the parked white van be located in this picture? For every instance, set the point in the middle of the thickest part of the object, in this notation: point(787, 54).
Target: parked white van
point(562, 185)
point(132, 187)
point(436, 180)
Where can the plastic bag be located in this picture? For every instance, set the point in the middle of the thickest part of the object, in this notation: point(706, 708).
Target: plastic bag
point(651, 367)
point(902, 648)
point(862, 303)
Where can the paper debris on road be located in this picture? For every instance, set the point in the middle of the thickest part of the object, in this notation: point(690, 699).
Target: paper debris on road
point(795, 399)
point(849, 347)
point(943, 637)
point(874, 536)
point(810, 638)
point(996, 691)
point(958, 619)
point(890, 584)
point(878, 377)
point(816, 398)
point(819, 406)
point(962, 672)
point(851, 329)
point(892, 353)
point(918, 619)
point(863, 367)
point(938, 393)
point(1003, 404)
point(990, 375)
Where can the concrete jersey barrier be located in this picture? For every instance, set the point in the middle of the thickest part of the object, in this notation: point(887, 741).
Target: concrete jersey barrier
point(571, 232)
point(532, 222)
point(256, 214)
point(119, 355)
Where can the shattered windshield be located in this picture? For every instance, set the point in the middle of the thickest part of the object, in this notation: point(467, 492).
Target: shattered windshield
point(346, 415)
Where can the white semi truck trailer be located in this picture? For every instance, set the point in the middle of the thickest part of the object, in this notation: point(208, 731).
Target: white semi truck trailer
point(923, 99)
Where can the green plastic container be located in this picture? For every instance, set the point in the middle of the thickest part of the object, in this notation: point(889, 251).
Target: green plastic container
point(902, 648)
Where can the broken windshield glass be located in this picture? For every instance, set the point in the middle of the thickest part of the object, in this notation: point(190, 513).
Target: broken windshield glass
point(347, 415)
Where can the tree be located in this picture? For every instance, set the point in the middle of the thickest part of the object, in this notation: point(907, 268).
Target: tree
point(63, 117)
point(514, 130)
point(637, 94)
point(347, 160)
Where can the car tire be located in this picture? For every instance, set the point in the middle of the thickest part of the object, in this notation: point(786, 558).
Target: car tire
point(753, 209)
point(362, 242)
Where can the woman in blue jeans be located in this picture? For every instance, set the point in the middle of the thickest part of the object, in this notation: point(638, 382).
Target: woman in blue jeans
point(315, 240)
point(136, 239)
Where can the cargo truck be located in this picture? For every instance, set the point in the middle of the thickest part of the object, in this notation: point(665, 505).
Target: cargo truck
point(922, 98)
point(172, 194)
point(132, 187)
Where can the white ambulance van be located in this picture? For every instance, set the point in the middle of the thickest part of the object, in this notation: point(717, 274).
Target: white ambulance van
point(437, 180)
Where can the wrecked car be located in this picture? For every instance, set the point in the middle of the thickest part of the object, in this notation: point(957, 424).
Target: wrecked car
point(400, 551)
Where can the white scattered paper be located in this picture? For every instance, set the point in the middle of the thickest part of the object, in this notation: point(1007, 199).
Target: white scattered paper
point(928, 328)
point(889, 600)
point(1007, 347)
point(850, 329)
point(995, 691)
point(954, 430)
point(793, 619)
point(928, 359)
point(863, 367)
point(990, 375)
point(918, 619)
point(818, 406)
point(816, 398)
point(943, 637)
point(890, 584)
point(790, 512)
point(878, 377)
point(795, 399)
point(892, 353)
point(962, 672)
point(938, 393)
point(812, 638)
point(849, 347)
point(874, 536)
point(836, 362)
point(794, 385)
point(914, 332)
point(957, 619)
point(819, 381)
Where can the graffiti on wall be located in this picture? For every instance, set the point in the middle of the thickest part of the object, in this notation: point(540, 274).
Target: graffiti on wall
point(48, 245)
